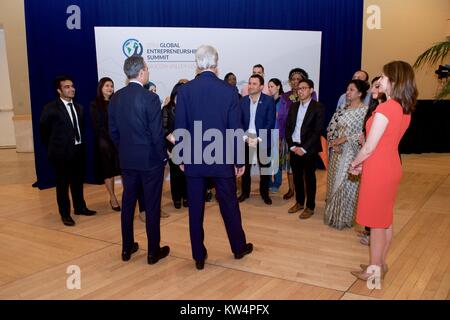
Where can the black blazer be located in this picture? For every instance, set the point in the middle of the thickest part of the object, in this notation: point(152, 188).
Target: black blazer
point(168, 116)
point(56, 130)
point(311, 128)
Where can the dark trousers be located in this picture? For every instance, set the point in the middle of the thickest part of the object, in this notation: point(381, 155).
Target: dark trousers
point(304, 171)
point(70, 174)
point(264, 182)
point(177, 182)
point(229, 208)
point(149, 184)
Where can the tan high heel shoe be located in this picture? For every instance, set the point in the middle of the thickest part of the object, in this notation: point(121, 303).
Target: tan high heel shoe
point(365, 266)
point(363, 275)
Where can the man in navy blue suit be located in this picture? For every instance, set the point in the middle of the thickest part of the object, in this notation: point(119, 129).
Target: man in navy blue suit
point(135, 126)
point(208, 104)
point(258, 118)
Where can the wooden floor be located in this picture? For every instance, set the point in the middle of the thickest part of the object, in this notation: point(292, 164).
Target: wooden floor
point(293, 259)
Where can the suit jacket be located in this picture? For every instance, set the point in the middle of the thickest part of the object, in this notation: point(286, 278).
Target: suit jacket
point(215, 103)
point(135, 126)
point(311, 129)
point(264, 118)
point(57, 132)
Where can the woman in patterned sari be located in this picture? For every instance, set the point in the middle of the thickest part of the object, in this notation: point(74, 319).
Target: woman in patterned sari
point(344, 139)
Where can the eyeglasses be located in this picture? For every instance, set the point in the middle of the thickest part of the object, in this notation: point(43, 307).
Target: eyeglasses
point(303, 88)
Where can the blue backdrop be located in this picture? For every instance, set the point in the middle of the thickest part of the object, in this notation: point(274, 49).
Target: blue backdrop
point(53, 49)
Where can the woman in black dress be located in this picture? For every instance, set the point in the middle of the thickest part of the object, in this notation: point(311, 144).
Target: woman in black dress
point(177, 178)
point(108, 158)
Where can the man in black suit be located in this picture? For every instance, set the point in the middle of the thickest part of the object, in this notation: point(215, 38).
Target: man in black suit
point(135, 126)
point(303, 129)
point(258, 118)
point(61, 129)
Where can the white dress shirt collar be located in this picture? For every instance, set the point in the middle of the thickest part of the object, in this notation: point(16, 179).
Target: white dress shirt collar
point(135, 81)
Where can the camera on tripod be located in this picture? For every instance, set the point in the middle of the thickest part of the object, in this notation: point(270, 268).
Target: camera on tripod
point(442, 72)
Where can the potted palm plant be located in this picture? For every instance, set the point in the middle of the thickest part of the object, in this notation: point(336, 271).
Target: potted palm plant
point(436, 53)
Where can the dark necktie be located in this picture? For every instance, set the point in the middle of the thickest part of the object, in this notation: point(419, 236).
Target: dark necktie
point(75, 124)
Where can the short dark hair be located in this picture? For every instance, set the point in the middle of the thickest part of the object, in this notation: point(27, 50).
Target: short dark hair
point(366, 73)
point(309, 82)
point(257, 76)
point(362, 87)
point(59, 79)
point(258, 66)
point(229, 74)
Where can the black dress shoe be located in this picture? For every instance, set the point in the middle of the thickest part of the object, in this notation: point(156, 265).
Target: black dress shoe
point(267, 199)
point(68, 221)
point(248, 249)
point(85, 212)
point(177, 204)
point(163, 252)
point(114, 208)
point(126, 255)
point(200, 264)
point(243, 197)
point(185, 203)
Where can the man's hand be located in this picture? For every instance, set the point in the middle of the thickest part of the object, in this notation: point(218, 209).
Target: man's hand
point(252, 142)
point(182, 167)
point(239, 171)
point(171, 138)
point(298, 151)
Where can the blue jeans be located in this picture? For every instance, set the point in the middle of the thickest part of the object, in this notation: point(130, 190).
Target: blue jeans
point(275, 182)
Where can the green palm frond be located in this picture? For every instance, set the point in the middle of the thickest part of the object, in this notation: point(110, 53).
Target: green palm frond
point(444, 92)
point(436, 53)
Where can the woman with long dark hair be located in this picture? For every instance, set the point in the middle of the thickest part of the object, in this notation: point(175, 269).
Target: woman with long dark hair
point(108, 158)
point(376, 98)
point(379, 162)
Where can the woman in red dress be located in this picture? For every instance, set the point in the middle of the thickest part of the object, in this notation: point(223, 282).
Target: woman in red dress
point(379, 162)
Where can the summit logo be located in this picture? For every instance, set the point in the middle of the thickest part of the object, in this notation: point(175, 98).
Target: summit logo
point(132, 47)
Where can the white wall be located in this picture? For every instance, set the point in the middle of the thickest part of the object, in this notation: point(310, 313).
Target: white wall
point(7, 135)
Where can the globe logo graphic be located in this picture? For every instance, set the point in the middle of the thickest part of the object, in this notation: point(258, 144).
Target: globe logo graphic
point(132, 47)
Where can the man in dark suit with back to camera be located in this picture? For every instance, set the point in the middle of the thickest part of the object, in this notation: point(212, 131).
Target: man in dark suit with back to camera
point(212, 104)
point(61, 130)
point(303, 129)
point(135, 126)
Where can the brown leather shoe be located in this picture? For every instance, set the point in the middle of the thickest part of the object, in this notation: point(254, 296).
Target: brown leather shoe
point(306, 214)
point(296, 207)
